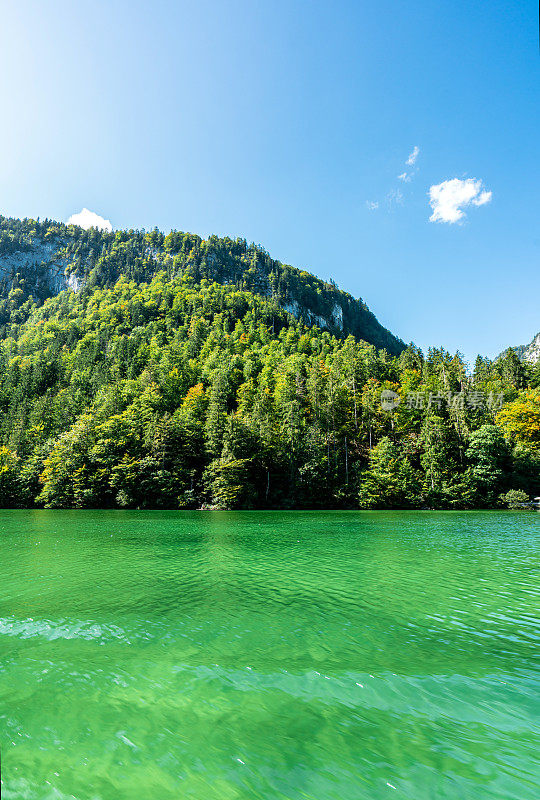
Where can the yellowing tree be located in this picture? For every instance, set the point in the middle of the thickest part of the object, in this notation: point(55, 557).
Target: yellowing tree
point(9, 464)
point(520, 419)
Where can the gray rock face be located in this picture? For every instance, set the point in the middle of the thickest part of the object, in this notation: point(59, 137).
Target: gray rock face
point(527, 352)
point(531, 353)
point(335, 321)
point(47, 260)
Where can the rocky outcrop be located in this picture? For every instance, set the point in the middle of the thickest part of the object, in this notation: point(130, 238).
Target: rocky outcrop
point(527, 352)
point(43, 263)
point(333, 322)
point(531, 351)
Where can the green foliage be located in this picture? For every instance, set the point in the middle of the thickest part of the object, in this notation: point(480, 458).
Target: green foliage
point(489, 455)
point(515, 498)
point(390, 481)
point(184, 387)
point(9, 466)
point(97, 259)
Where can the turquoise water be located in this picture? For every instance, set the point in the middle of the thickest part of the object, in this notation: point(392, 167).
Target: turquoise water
point(310, 656)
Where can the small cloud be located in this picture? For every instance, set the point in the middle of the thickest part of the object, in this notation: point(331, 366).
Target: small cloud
point(449, 198)
point(407, 176)
point(89, 219)
point(395, 197)
point(482, 199)
point(411, 161)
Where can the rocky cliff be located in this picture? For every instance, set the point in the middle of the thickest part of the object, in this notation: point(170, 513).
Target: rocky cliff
point(530, 352)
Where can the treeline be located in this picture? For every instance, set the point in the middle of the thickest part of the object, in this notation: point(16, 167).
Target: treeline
point(97, 259)
point(182, 393)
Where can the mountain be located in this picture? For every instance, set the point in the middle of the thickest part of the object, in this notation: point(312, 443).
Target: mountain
point(179, 373)
point(40, 259)
point(528, 352)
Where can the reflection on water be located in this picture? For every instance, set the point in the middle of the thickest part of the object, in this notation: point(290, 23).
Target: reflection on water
point(268, 655)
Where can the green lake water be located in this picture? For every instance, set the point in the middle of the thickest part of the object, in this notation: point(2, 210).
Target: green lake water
point(310, 656)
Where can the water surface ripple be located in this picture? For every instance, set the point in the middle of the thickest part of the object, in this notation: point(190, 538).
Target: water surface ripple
point(298, 655)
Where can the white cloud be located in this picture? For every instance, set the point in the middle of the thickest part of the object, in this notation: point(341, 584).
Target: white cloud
point(449, 198)
point(482, 199)
point(89, 219)
point(407, 176)
point(394, 197)
point(411, 161)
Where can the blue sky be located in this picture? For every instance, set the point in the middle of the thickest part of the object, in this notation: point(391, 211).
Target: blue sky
point(287, 123)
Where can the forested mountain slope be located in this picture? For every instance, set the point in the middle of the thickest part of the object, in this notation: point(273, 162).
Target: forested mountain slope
point(39, 259)
point(181, 393)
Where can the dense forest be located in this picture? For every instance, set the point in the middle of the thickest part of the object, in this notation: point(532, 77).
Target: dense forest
point(168, 389)
point(38, 259)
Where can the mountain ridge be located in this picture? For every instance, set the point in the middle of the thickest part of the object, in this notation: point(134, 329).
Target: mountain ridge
point(40, 259)
point(529, 353)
